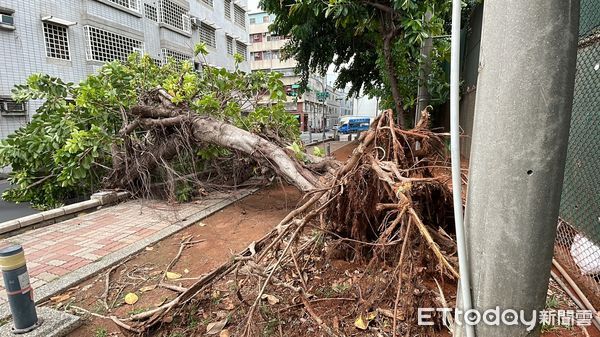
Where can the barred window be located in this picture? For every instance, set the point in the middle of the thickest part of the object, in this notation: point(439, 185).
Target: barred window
point(256, 37)
point(174, 15)
point(208, 2)
point(229, 45)
point(106, 46)
point(150, 12)
point(57, 41)
point(241, 49)
point(227, 7)
point(177, 56)
point(131, 4)
point(240, 15)
point(207, 35)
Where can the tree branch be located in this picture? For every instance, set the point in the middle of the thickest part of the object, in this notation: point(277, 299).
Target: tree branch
point(381, 7)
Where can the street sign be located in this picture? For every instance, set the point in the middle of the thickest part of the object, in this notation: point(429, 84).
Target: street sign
point(322, 95)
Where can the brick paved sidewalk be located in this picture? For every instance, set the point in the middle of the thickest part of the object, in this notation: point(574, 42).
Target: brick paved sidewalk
point(64, 247)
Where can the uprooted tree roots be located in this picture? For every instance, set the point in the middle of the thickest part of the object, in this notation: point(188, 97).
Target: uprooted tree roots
point(385, 210)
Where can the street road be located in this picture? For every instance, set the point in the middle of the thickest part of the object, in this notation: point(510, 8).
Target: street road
point(10, 210)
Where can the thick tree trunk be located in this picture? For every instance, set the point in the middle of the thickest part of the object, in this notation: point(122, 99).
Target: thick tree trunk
point(210, 130)
point(169, 130)
point(393, 78)
point(424, 71)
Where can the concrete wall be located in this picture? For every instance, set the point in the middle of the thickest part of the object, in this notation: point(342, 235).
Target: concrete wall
point(25, 53)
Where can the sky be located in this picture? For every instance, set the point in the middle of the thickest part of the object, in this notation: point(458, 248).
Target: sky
point(362, 105)
point(252, 4)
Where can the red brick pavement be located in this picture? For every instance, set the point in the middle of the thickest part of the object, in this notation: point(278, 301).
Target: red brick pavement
point(61, 248)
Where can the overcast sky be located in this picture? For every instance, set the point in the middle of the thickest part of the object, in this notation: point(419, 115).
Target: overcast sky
point(252, 5)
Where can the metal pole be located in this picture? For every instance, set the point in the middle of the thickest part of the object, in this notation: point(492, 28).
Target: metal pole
point(519, 143)
point(310, 125)
point(464, 289)
point(324, 83)
point(18, 289)
point(323, 121)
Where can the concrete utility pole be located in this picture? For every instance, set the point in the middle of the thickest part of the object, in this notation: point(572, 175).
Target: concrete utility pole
point(521, 129)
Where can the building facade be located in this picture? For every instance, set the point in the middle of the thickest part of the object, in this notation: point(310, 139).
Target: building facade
point(265, 55)
point(71, 39)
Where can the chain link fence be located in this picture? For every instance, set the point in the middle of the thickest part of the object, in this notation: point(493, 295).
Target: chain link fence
point(578, 240)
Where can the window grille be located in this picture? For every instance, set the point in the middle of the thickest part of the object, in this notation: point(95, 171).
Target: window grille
point(208, 2)
point(57, 41)
point(134, 5)
point(186, 22)
point(240, 15)
point(106, 46)
point(207, 35)
point(150, 12)
point(174, 15)
point(252, 21)
point(227, 7)
point(229, 45)
point(177, 56)
point(241, 49)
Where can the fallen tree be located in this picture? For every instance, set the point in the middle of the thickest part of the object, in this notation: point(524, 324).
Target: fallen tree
point(387, 205)
point(154, 131)
point(171, 126)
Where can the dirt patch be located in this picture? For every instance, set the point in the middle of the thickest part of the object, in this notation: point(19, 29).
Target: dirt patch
point(344, 151)
point(224, 233)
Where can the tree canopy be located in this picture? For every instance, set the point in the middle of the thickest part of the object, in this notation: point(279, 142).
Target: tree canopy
point(72, 143)
point(374, 45)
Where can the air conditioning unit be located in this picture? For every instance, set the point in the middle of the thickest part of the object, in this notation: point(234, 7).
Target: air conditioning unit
point(195, 21)
point(12, 108)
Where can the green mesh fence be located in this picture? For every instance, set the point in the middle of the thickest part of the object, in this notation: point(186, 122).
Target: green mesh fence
point(578, 240)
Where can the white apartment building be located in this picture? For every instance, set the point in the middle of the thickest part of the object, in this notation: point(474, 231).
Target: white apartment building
point(265, 54)
point(73, 38)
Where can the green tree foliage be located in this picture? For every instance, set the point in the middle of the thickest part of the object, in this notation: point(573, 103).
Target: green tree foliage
point(374, 44)
point(67, 148)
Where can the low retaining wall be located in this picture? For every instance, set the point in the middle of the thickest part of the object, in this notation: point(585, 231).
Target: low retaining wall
point(48, 217)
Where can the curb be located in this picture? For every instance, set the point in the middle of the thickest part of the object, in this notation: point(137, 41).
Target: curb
point(317, 142)
point(69, 280)
point(49, 216)
point(55, 323)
